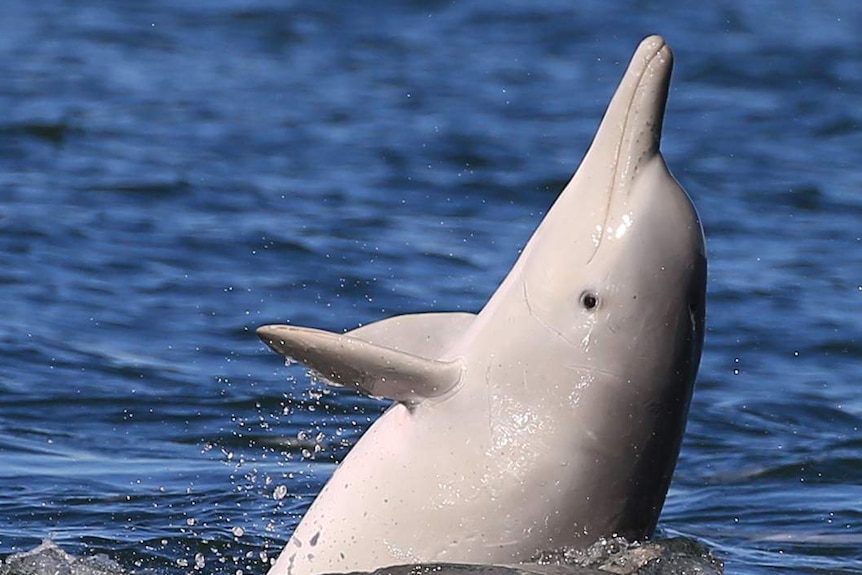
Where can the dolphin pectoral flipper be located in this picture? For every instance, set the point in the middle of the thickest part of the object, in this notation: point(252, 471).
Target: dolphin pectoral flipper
point(427, 335)
point(343, 359)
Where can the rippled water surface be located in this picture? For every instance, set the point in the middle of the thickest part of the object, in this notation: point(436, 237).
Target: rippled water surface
point(173, 174)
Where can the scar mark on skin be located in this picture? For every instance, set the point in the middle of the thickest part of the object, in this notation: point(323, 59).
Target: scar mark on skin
point(590, 369)
point(540, 320)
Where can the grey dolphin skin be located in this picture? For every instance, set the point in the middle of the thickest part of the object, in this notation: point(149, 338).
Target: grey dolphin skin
point(554, 416)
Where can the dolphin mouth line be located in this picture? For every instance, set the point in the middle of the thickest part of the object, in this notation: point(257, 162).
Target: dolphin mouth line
point(624, 142)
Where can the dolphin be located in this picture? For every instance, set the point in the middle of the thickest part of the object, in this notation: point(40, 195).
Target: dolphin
point(554, 416)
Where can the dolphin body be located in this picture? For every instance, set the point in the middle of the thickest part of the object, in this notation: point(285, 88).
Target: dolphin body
point(553, 417)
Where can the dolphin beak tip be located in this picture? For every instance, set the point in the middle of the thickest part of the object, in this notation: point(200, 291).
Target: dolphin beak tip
point(653, 42)
point(268, 333)
point(638, 105)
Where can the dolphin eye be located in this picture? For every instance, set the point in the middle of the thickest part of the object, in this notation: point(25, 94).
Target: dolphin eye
point(589, 300)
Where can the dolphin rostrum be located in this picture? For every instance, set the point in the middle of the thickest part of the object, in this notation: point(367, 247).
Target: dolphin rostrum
point(554, 416)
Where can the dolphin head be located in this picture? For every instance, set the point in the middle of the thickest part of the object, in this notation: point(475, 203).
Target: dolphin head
point(612, 286)
point(620, 254)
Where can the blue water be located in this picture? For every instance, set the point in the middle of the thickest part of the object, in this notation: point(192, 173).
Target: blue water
point(173, 174)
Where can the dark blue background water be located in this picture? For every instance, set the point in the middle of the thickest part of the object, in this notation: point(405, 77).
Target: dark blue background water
point(173, 174)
